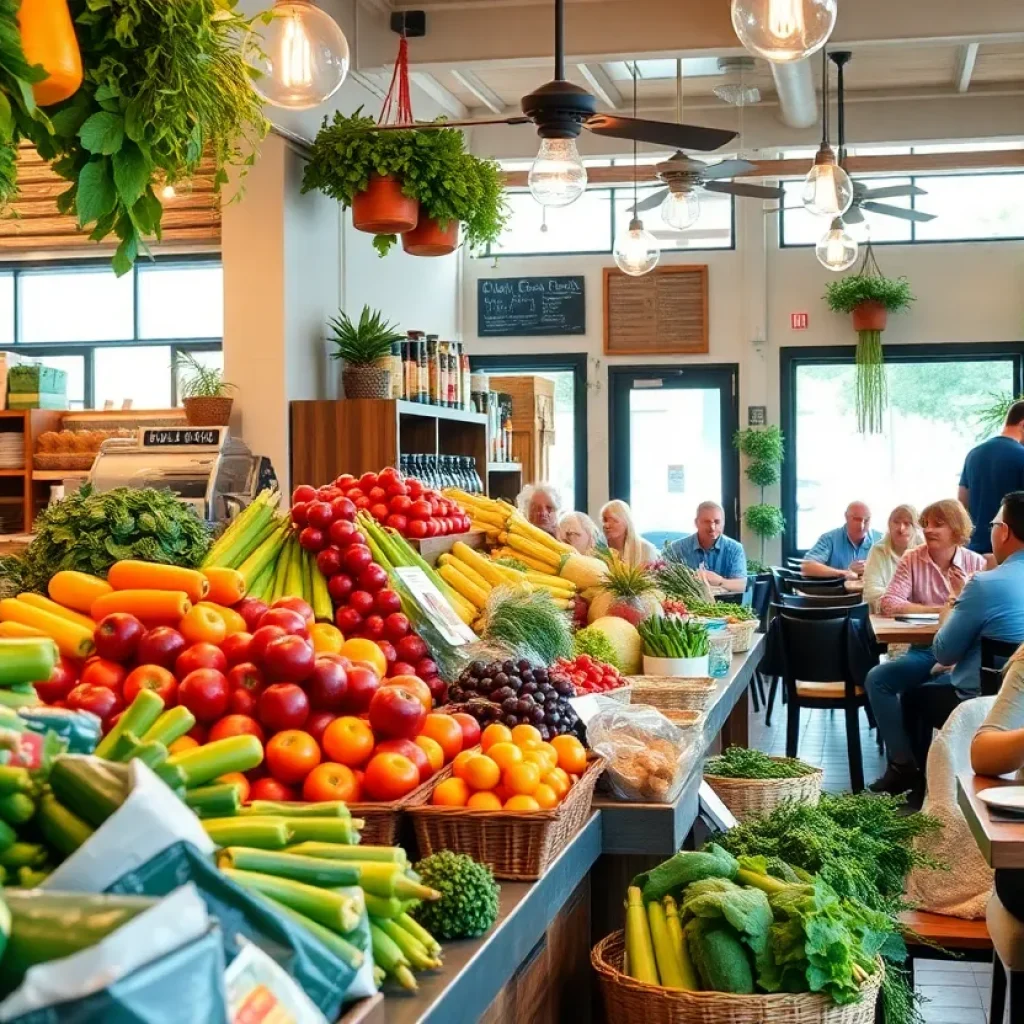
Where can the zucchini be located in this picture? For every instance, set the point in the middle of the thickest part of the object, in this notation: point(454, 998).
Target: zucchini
point(312, 870)
point(343, 851)
point(91, 788)
point(333, 910)
point(341, 948)
point(61, 828)
point(23, 855)
point(262, 833)
point(219, 801)
point(210, 761)
point(294, 809)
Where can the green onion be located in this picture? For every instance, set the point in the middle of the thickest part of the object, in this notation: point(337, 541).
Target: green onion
point(331, 909)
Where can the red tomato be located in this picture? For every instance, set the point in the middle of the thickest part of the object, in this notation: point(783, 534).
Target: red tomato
point(400, 504)
point(205, 693)
point(61, 682)
point(155, 678)
point(390, 777)
point(470, 729)
point(348, 620)
point(271, 789)
point(420, 509)
point(330, 781)
point(417, 528)
point(303, 493)
point(291, 755)
point(236, 725)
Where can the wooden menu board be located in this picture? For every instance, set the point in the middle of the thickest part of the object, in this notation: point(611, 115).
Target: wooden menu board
point(664, 312)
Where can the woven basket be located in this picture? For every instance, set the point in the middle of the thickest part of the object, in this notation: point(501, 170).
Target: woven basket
point(366, 382)
point(742, 635)
point(383, 817)
point(627, 1000)
point(747, 797)
point(68, 461)
point(684, 719)
point(518, 845)
point(208, 412)
point(673, 693)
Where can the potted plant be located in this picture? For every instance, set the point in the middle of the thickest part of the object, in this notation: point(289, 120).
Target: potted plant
point(675, 647)
point(763, 449)
point(869, 297)
point(203, 392)
point(364, 346)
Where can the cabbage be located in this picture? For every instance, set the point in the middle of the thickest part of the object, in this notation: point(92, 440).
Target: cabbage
point(625, 641)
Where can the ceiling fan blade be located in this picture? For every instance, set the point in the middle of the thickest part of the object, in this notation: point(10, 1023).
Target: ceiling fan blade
point(660, 133)
point(651, 202)
point(893, 192)
point(739, 188)
point(728, 169)
point(899, 212)
point(433, 125)
point(853, 216)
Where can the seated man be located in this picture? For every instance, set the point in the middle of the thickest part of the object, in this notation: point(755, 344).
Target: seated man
point(719, 559)
point(843, 551)
point(541, 505)
point(991, 604)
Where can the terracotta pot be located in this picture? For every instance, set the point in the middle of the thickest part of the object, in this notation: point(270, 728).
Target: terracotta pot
point(382, 209)
point(207, 412)
point(366, 382)
point(428, 239)
point(870, 316)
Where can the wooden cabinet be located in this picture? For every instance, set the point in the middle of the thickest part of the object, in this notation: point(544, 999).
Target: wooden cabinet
point(23, 493)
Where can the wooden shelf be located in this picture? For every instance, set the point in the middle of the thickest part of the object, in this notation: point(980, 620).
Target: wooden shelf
point(12, 472)
point(439, 412)
point(504, 467)
point(60, 474)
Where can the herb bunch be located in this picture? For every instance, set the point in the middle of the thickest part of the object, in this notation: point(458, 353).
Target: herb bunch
point(672, 637)
point(743, 763)
point(720, 610)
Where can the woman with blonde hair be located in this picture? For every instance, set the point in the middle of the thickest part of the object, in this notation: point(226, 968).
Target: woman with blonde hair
point(902, 535)
point(580, 531)
point(622, 536)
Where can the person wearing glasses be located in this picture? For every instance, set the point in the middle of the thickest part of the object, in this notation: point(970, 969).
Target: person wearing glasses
point(719, 559)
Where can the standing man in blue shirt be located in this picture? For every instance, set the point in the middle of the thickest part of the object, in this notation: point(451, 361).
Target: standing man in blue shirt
point(719, 559)
point(843, 551)
point(991, 470)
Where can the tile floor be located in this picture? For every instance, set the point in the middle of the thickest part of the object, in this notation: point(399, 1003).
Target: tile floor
point(957, 993)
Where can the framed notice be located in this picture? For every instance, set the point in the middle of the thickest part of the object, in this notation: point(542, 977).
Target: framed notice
point(434, 606)
point(508, 307)
point(662, 313)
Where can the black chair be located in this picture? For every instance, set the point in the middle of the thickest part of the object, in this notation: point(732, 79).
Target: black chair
point(837, 585)
point(817, 673)
point(838, 600)
point(994, 655)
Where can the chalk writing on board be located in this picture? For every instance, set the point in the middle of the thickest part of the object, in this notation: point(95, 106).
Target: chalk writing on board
point(526, 306)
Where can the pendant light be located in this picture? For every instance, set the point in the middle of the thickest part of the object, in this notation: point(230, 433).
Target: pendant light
point(837, 248)
point(827, 190)
point(783, 30)
point(680, 210)
point(637, 251)
point(300, 55)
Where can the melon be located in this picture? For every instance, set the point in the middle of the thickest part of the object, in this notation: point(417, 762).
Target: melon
point(625, 640)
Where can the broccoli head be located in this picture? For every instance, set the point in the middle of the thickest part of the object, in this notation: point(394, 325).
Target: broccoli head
point(469, 896)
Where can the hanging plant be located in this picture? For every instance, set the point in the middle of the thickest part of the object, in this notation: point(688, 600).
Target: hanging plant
point(869, 297)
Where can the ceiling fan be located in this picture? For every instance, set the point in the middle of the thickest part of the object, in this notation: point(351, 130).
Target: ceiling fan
point(561, 110)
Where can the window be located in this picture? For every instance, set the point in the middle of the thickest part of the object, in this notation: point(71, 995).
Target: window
point(116, 338)
point(934, 417)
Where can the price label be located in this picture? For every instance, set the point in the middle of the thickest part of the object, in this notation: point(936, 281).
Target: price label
point(193, 437)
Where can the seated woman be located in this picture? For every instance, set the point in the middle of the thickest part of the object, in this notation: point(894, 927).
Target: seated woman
point(902, 535)
point(580, 531)
point(622, 537)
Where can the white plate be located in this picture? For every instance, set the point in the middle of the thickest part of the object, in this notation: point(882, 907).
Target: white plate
point(1009, 798)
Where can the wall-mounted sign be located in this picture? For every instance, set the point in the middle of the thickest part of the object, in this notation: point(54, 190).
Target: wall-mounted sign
point(799, 321)
point(676, 479)
point(509, 307)
point(757, 415)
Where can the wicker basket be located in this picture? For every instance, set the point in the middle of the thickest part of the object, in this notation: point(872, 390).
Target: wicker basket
point(684, 719)
point(66, 461)
point(673, 693)
point(627, 1000)
point(747, 797)
point(208, 412)
point(382, 817)
point(518, 845)
point(742, 635)
point(369, 381)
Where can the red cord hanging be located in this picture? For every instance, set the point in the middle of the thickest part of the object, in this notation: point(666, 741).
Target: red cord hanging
point(397, 107)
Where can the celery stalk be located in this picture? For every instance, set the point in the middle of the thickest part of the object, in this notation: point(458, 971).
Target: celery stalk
point(331, 909)
point(170, 726)
point(261, 584)
point(323, 609)
point(281, 569)
point(264, 555)
point(140, 717)
point(235, 528)
point(293, 581)
point(219, 757)
point(341, 948)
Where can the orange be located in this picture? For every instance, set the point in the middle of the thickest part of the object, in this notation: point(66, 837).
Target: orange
point(327, 639)
point(390, 776)
point(546, 797)
point(552, 754)
point(495, 733)
point(540, 759)
point(368, 652)
point(435, 755)
point(521, 803)
point(182, 743)
point(523, 734)
point(451, 793)
point(291, 755)
point(329, 781)
point(348, 740)
point(483, 801)
point(459, 764)
point(521, 778)
point(481, 772)
point(556, 783)
point(445, 730)
point(505, 754)
point(572, 755)
point(237, 779)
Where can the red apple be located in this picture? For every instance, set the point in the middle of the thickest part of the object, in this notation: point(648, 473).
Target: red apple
point(283, 706)
point(368, 480)
point(362, 685)
point(317, 724)
point(328, 562)
point(327, 685)
point(160, 646)
point(425, 668)
point(379, 511)
point(344, 533)
point(200, 656)
point(252, 610)
point(396, 712)
point(386, 602)
point(312, 539)
point(411, 648)
point(205, 693)
point(241, 702)
point(199, 733)
point(438, 690)
point(344, 510)
point(338, 659)
point(470, 729)
point(100, 700)
point(117, 636)
point(100, 672)
point(401, 668)
point(288, 619)
point(236, 725)
point(62, 681)
point(151, 677)
point(249, 677)
point(297, 605)
point(303, 493)
point(407, 749)
point(289, 659)
point(400, 502)
point(319, 514)
point(396, 627)
point(355, 558)
point(339, 587)
point(373, 627)
point(348, 620)
point(362, 601)
point(372, 578)
point(376, 494)
point(397, 522)
point(388, 650)
point(236, 648)
point(261, 639)
point(298, 513)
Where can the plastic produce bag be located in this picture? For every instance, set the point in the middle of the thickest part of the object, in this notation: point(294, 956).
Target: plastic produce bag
point(80, 730)
point(648, 757)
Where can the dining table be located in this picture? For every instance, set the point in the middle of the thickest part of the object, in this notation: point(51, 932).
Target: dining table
point(1001, 842)
point(892, 631)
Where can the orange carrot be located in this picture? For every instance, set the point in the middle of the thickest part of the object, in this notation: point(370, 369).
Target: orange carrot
point(73, 640)
point(227, 586)
point(54, 608)
point(153, 607)
point(77, 590)
point(133, 575)
point(13, 629)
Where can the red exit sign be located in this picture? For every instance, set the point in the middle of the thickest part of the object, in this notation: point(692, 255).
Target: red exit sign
point(799, 321)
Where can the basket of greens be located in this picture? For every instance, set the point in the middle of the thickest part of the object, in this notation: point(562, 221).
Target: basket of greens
point(674, 646)
point(750, 782)
point(740, 620)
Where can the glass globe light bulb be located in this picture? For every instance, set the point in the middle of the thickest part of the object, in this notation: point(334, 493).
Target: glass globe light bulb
point(637, 251)
point(827, 189)
point(680, 210)
point(300, 54)
point(837, 250)
point(557, 177)
point(783, 30)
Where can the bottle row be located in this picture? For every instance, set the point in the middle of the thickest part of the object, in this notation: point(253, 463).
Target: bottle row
point(427, 370)
point(441, 471)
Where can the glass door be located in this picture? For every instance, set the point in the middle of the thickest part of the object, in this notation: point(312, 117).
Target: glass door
point(670, 445)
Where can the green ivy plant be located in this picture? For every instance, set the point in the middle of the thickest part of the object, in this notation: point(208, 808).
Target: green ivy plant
point(845, 295)
point(764, 450)
point(432, 166)
point(165, 83)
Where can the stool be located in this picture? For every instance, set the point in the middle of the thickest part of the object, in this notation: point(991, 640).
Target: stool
point(1007, 934)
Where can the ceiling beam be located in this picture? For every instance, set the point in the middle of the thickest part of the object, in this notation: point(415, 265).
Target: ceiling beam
point(366, 80)
point(445, 98)
point(601, 84)
point(966, 58)
point(483, 92)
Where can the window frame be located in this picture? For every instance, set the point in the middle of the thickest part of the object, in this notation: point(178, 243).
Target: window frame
point(87, 349)
point(792, 358)
point(920, 180)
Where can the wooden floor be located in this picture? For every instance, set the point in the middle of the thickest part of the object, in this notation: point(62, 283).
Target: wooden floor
point(957, 993)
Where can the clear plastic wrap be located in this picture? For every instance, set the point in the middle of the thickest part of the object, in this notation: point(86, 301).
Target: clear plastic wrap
point(648, 757)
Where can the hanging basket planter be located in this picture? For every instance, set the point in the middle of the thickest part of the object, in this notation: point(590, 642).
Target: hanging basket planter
point(428, 238)
point(870, 316)
point(382, 209)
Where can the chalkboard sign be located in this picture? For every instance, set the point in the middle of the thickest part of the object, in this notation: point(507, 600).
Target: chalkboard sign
point(199, 437)
point(530, 306)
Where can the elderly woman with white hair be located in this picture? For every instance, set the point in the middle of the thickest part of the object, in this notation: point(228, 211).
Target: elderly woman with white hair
point(541, 505)
point(622, 537)
point(580, 531)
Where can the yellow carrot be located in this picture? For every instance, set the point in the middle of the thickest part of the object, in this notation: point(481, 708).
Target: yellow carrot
point(16, 629)
point(77, 590)
point(73, 640)
point(38, 601)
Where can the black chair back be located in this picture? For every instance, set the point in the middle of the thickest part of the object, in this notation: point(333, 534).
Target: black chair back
point(821, 600)
point(814, 647)
point(837, 585)
point(994, 655)
point(761, 600)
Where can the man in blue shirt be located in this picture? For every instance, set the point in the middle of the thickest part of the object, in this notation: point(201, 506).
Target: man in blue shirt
point(843, 551)
point(720, 560)
point(991, 470)
point(917, 690)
